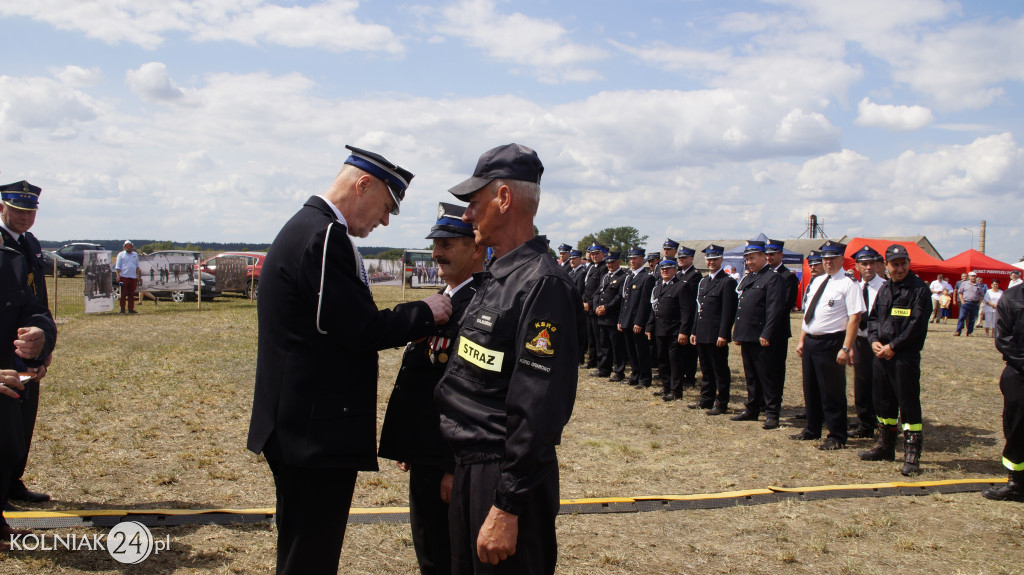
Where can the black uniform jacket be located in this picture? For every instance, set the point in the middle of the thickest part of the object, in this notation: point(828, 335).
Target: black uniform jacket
point(761, 310)
point(609, 295)
point(412, 425)
point(1010, 327)
point(34, 256)
point(792, 288)
point(316, 366)
point(688, 299)
point(900, 315)
point(579, 277)
point(666, 308)
point(636, 300)
point(511, 387)
point(593, 282)
point(717, 298)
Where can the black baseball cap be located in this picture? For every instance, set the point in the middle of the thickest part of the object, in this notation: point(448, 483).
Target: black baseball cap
point(510, 162)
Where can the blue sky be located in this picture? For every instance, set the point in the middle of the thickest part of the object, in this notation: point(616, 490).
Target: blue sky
point(213, 120)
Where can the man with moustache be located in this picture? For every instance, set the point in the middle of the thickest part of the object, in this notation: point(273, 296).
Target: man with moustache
point(712, 332)
point(689, 277)
point(595, 272)
point(411, 433)
point(762, 323)
point(633, 316)
point(663, 327)
point(871, 267)
point(607, 303)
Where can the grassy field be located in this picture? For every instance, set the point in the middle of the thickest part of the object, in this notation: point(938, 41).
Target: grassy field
point(152, 411)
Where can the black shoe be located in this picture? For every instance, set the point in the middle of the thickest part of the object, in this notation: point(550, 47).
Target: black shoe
point(616, 377)
point(640, 386)
point(1012, 491)
point(132, 311)
point(700, 405)
point(801, 415)
point(27, 496)
point(599, 373)
point(717, 410)
point(831, 444)
point(805, 436)
point(745, 415)
point(771, 423)
point(668, 397)
point(657, 392)
point(862, 433)
point(10, 507)
point(122, 311)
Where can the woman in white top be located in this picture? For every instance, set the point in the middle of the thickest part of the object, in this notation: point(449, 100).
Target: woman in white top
point(989, 303)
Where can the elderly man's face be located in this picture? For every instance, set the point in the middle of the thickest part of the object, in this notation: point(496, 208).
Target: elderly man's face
point(668, 272)
point(16, 219)
point(898, 269)
point(483, 212)
point(454, 257)
point(129, 248)
point(375, 205)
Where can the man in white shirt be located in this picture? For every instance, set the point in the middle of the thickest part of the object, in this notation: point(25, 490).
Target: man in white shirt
point(827, 337)
point(936, 288)
point(870, 265)
point(127, 267)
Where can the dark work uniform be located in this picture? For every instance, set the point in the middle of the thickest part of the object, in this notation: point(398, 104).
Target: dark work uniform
point(412, 433)
point(864, 364)
point(613, 343)
point(592, 281)
point(781, 353)
point(666, 319)
point(761, 313)
point(504, 400)
point(899, 318)
point(29, 247)
point(688, 314)
point(716, 298)
point(579, 279)
point(20, 309)
point(635, 311)
point(1009, 337)
point(314, 413)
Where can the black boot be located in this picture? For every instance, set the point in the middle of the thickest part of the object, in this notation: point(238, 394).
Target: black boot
point(912, 453)
point(1012, 491)
point(885, 448)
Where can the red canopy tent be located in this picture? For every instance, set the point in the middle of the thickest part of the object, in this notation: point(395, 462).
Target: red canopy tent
point(987, 268)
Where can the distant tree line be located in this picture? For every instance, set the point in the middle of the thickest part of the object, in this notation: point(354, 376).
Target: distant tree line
point(153, 245)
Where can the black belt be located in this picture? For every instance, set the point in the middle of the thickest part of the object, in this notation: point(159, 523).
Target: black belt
point(825, 335)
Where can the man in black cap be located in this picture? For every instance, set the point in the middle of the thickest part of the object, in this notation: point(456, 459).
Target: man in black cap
point(871, 266)
point(633, 316)
point(316, 313)
point(595, 272)
point(762, 322)
point(689, 277)
point(712, 332)
point(411, 433)
point(511, 387)
point(663, 327)
point(607, 302)
point(1009, 337)
point(827, 336)
point(563, 256)
point(18, 209)
point(897, 328)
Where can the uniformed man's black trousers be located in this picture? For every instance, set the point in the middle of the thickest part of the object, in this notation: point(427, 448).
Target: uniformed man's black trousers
point(825, 385)
point(897, 389)
point(1011, 383)
point(594, 338)
point(714, 364)
point(639, 353)
point(12, 446)
point(613, 348)
point(688, 357)
point(472, 498)
point(760, 367)
point(670, 365)
point(863, 383)
point(29, 410)
point(428, 517)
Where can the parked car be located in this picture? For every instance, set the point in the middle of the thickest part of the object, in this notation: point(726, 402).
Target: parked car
point(73, 251)
point(65, 268)
point(253, 267)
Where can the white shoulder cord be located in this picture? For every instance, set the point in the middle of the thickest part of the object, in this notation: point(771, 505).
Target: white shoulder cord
point(323, 271)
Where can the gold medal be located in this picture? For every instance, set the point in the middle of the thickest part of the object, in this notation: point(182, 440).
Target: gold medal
point(442, 357)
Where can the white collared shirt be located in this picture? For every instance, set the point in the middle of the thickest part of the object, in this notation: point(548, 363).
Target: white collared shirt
point(451, 291)
point(17, 237)
point(841, 299)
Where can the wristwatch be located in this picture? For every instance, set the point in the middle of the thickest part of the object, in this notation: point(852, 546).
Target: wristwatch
point(846, 349)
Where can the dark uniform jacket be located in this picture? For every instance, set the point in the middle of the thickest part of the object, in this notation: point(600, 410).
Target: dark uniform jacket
point(1010, 327)
point(666, 308)
point(412, 425)
point(636, 300)
point(609, 295)
point(29, 247)
point(579, 276)
point(900, 314)
point(593, 281)
point(511, 386)
point(792, 289)
point(761, 309)
point(316, 366)
point(717, 298)
point(688, 299)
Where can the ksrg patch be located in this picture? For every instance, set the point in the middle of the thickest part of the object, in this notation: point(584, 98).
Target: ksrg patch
point(542, 342)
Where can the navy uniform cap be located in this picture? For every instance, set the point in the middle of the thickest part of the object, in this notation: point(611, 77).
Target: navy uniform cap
point(668, 264)
point(831, 249)
point(510, 162)
point(867, 254)
point(670, 244)
point(773, 246)
point(575, 254)
point(564, 248)
point(614, 255)
point(21, 195)
point(635, 253)
point(396, 178)
point(449, 223)
point(814, 258)
point(654, 256)
point(753, 246)
point(895, 252)
point(685, 252)
point(596, 248)
point(713, 252)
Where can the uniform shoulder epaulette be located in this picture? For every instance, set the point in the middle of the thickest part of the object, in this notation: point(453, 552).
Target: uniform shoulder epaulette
point(10, 249)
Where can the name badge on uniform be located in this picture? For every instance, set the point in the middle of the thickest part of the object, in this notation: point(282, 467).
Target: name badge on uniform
point(485, 320)
point(480, 356)
point(900, 312)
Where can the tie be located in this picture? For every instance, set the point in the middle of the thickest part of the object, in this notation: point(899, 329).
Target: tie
point(864, 316)
point(809, 314)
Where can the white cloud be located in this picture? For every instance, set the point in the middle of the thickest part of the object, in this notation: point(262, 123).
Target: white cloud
point(893, 118)
point(41, 104)
point(78, 77)
point(540, 44)
point(152, 83)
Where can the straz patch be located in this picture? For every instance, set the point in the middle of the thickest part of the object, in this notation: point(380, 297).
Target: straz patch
point(542, 344)
point(480, 356)
point(901, 312)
